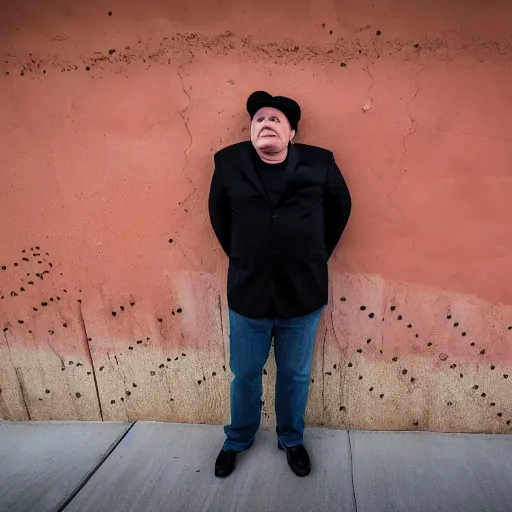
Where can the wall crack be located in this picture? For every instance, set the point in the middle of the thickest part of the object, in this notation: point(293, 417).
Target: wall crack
point(18, 377)
point(222, 331)
point(413, 127)
point(84, 330)
point(22, 388)
point(185, 122)
point(368, 94)
point(323, 372)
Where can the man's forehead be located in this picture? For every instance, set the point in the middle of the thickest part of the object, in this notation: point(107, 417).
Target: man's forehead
point(268, 111)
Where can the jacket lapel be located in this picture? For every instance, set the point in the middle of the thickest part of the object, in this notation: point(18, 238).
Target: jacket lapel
point(248, 167)
point(293, 162)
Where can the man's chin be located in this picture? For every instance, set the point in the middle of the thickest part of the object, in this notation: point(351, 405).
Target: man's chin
point(270, 146)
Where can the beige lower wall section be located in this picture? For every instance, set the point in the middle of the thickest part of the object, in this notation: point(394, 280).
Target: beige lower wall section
point(387, 357)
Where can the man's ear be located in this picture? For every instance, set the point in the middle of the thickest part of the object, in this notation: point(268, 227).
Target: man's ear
point(292, 135)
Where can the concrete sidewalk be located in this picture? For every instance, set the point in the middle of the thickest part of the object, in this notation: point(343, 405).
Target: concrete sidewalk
point(124, 467)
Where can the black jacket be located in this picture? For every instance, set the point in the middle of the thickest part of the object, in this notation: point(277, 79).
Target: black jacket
point(278, 252)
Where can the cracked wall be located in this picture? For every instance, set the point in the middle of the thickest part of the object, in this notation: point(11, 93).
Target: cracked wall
point(112, 286)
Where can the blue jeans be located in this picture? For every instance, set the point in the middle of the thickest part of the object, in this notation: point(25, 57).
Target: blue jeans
point(250, 341)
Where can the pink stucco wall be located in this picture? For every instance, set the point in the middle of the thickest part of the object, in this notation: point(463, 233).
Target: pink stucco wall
point(108, 128)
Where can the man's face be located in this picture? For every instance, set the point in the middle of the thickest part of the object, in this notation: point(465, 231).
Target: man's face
point(270, 130)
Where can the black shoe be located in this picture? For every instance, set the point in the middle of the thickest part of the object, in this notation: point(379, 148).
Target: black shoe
point(298, 459)
point(225, 463)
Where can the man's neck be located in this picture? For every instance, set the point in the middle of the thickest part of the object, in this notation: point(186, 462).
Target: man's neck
point(273, 158)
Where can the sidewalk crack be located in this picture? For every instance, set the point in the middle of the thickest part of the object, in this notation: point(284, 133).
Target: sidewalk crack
point(91, 473)
point(352, 470)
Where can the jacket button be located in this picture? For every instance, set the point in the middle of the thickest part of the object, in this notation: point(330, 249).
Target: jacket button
point(273, 216)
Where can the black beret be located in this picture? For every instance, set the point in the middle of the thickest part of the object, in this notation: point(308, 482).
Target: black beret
point(287, 106)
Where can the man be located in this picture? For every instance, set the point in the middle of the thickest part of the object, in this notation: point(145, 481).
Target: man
point(278, 211)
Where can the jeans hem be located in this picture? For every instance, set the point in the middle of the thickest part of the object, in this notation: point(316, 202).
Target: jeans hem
point(231, 446)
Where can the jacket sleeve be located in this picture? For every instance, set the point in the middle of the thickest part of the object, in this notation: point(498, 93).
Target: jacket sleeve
point(220, 211)
point(337, 206)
